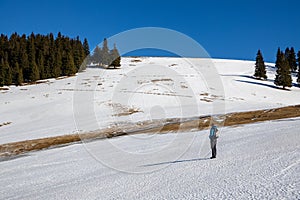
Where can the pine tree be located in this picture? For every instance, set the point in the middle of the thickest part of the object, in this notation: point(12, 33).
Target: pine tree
point(24, 63)
point(41, 65)
point(33, 68)
point(57, 66)
point(260, 68)
point(97, 55)
point(19, 75)
point(298, 75)
point(26, 59)
point(283, 72)
point(105, 57)
point(14, 48)
point(287, 53)
point(115, 57)
point(70, 68)
point(56, 49)
point(86, 47)
point(2, 81)
point(4, 45)
point(7, 72)
point(292, 60)
point(77, 55)
point(278, 57)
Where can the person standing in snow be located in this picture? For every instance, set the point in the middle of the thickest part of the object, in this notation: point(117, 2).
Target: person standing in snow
point(213, 136)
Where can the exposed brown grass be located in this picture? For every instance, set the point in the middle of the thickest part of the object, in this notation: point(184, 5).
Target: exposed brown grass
point(168, 125)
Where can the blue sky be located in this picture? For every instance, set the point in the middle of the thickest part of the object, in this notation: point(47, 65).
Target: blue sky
point(226, 29)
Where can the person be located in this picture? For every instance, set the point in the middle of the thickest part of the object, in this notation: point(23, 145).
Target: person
point(213, 136)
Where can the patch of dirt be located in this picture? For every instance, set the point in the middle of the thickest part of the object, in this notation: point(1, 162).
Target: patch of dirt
point(79, 90)
point(204, 94)
point(4, 88)
point(158, 126)
point(130, 111)
point(136, 60)
point(160, 80)
point(206, 100)
point(157, 93)
point(121, 110)
point(5, 123)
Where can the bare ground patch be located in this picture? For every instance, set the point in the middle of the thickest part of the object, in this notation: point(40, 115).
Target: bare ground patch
point(136, 60)
point(158, 126)
point(5, 123)
point(157, 93)
point(122, 110)
point(4, 88)
point(161, 80)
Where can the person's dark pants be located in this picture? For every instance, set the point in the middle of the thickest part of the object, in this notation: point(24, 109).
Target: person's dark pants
point(213, 144)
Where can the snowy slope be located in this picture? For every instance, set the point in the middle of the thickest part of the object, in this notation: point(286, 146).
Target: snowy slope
point(255, 161)
point(104, 97)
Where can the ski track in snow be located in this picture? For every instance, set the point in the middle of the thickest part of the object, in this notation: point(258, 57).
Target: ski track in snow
point(255, 161)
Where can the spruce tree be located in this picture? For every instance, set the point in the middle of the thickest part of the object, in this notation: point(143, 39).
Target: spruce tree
point(105, 57)
point(115, 57)
point(298, 75)
point(57, 65)
point(68, 66)
point(278, 57)
point(292, 60)
point(97, 55)
point(41, 65)
point(283, 72)
point(33, 68)
point(24, 63)
point(19, 75)
point(25, 59)
point(86, 47)
point(287, 53)
point(7, 72)
point(260, 68)
point(14, 48)
point(77, 56)
point(2, 82)
point(50, 58)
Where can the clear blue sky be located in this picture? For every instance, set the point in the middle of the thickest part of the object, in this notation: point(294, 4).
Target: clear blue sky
point(226, 29)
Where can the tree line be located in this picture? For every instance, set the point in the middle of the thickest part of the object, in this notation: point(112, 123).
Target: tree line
point(105, 57)
point(286, 64)
point(30, 58)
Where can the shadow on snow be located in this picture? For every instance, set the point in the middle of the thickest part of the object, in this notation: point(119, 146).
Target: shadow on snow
point(176, 161)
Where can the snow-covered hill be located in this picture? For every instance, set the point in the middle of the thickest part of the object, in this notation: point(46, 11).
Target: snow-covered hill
point(255, 161)
point(143, 89)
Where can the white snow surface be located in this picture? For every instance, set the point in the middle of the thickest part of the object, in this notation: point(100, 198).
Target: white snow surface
point(156, 87)
point(254, 161)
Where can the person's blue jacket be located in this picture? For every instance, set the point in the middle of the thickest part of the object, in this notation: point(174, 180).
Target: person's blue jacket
point(213, 132)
